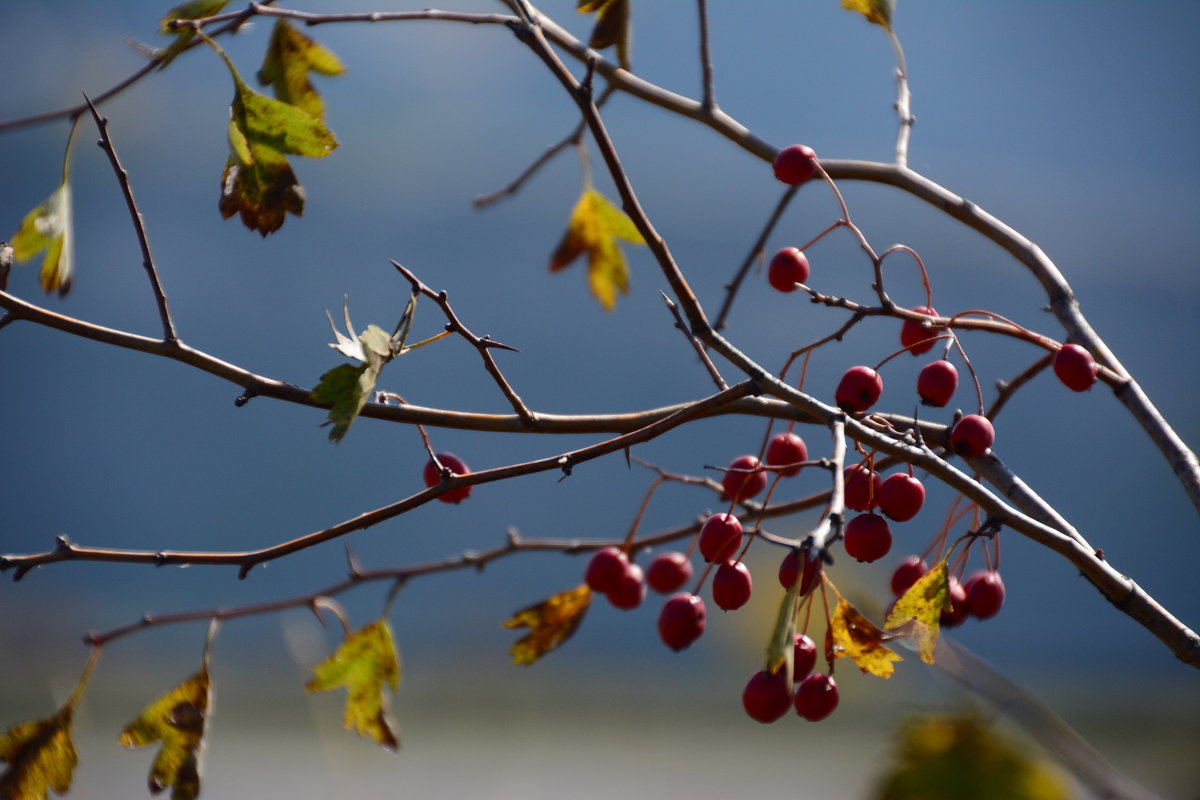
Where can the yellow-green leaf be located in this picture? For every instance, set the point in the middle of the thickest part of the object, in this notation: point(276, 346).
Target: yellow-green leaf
point(921, 607)
point(550, 622)
point(364, 662)
point(613, 26)
point(290, 56)
point(178, 720)
point(49, 227)
point(258, 182)
point(193, 9)
point(877, 11)
point(857, 637)
point(594, 228)
point(962, 758)
point(40, 757)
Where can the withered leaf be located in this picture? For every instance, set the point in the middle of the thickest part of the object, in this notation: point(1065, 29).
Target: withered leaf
point(857, 637)
point(550, 622)
point(876, 11)
point(40, 757)
point(179, 720)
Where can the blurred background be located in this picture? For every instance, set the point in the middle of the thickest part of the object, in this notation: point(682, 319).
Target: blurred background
point(1075, 123)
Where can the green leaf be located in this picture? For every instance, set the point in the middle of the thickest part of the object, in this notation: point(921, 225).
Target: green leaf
point(40, 757)
point(193, 9)
point(49, 227)
point(290, 56)
point(179, 720)
point(258, 182)
point(594, 228)
point(550, 622)
point(347, 388)
point(921, 607)
point(961, 758)
point(364, 662)
point(876, 11)
point(780, 647)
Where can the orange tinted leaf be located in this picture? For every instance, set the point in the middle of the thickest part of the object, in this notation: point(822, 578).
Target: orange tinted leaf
point(921, 607)
point(550, 622)
point(40, 757)
point(594, 228)
point(613, 25)
point(857, 637)
point(363, 663)
point(179, 720)
point(877, 11)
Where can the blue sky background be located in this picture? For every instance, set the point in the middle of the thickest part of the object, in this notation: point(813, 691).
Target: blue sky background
point(1074, 122)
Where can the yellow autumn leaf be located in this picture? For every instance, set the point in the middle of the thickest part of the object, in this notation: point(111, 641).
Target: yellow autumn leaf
point(48, 227)
point(877, 11)
point(364, 662)
point(857, 637)
point(40, 757)
point(921, 608)
point(290, 56)
point(594, 228)
point(550, 622)
point(179, 720)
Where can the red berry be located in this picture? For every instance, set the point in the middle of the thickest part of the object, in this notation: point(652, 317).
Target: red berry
point(681, 620)
point(786, 448)
point(859, 389)
point(958, 605)
point(901, 496)
point(861, 488)
point(795, 164)
point(816, 697)
point(911, 570)
point(457, 467)
point(767, 697)
point(630, 589)
point(804, 656)
point(937, 383)
point(720, 537)
point(811, 576)
point(731, 586)
point(1075, 367)
point(668, 572)
point(740, 484)
point(787, 268)
point(867, 537)
point(789, 569)
point(915, 336)
point(972, 436)
point(606, 568)
point(985, 594)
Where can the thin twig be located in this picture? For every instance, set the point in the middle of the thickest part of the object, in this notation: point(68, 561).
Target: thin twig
point(706, 66)
point(65, 550)
point(756, 253)
point(1006, 389)
point(482, 344)
point(700, 351)
point(139, 224)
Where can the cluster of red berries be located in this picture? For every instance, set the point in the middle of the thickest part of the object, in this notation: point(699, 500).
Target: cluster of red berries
point(867, 536)
point(768, 696)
